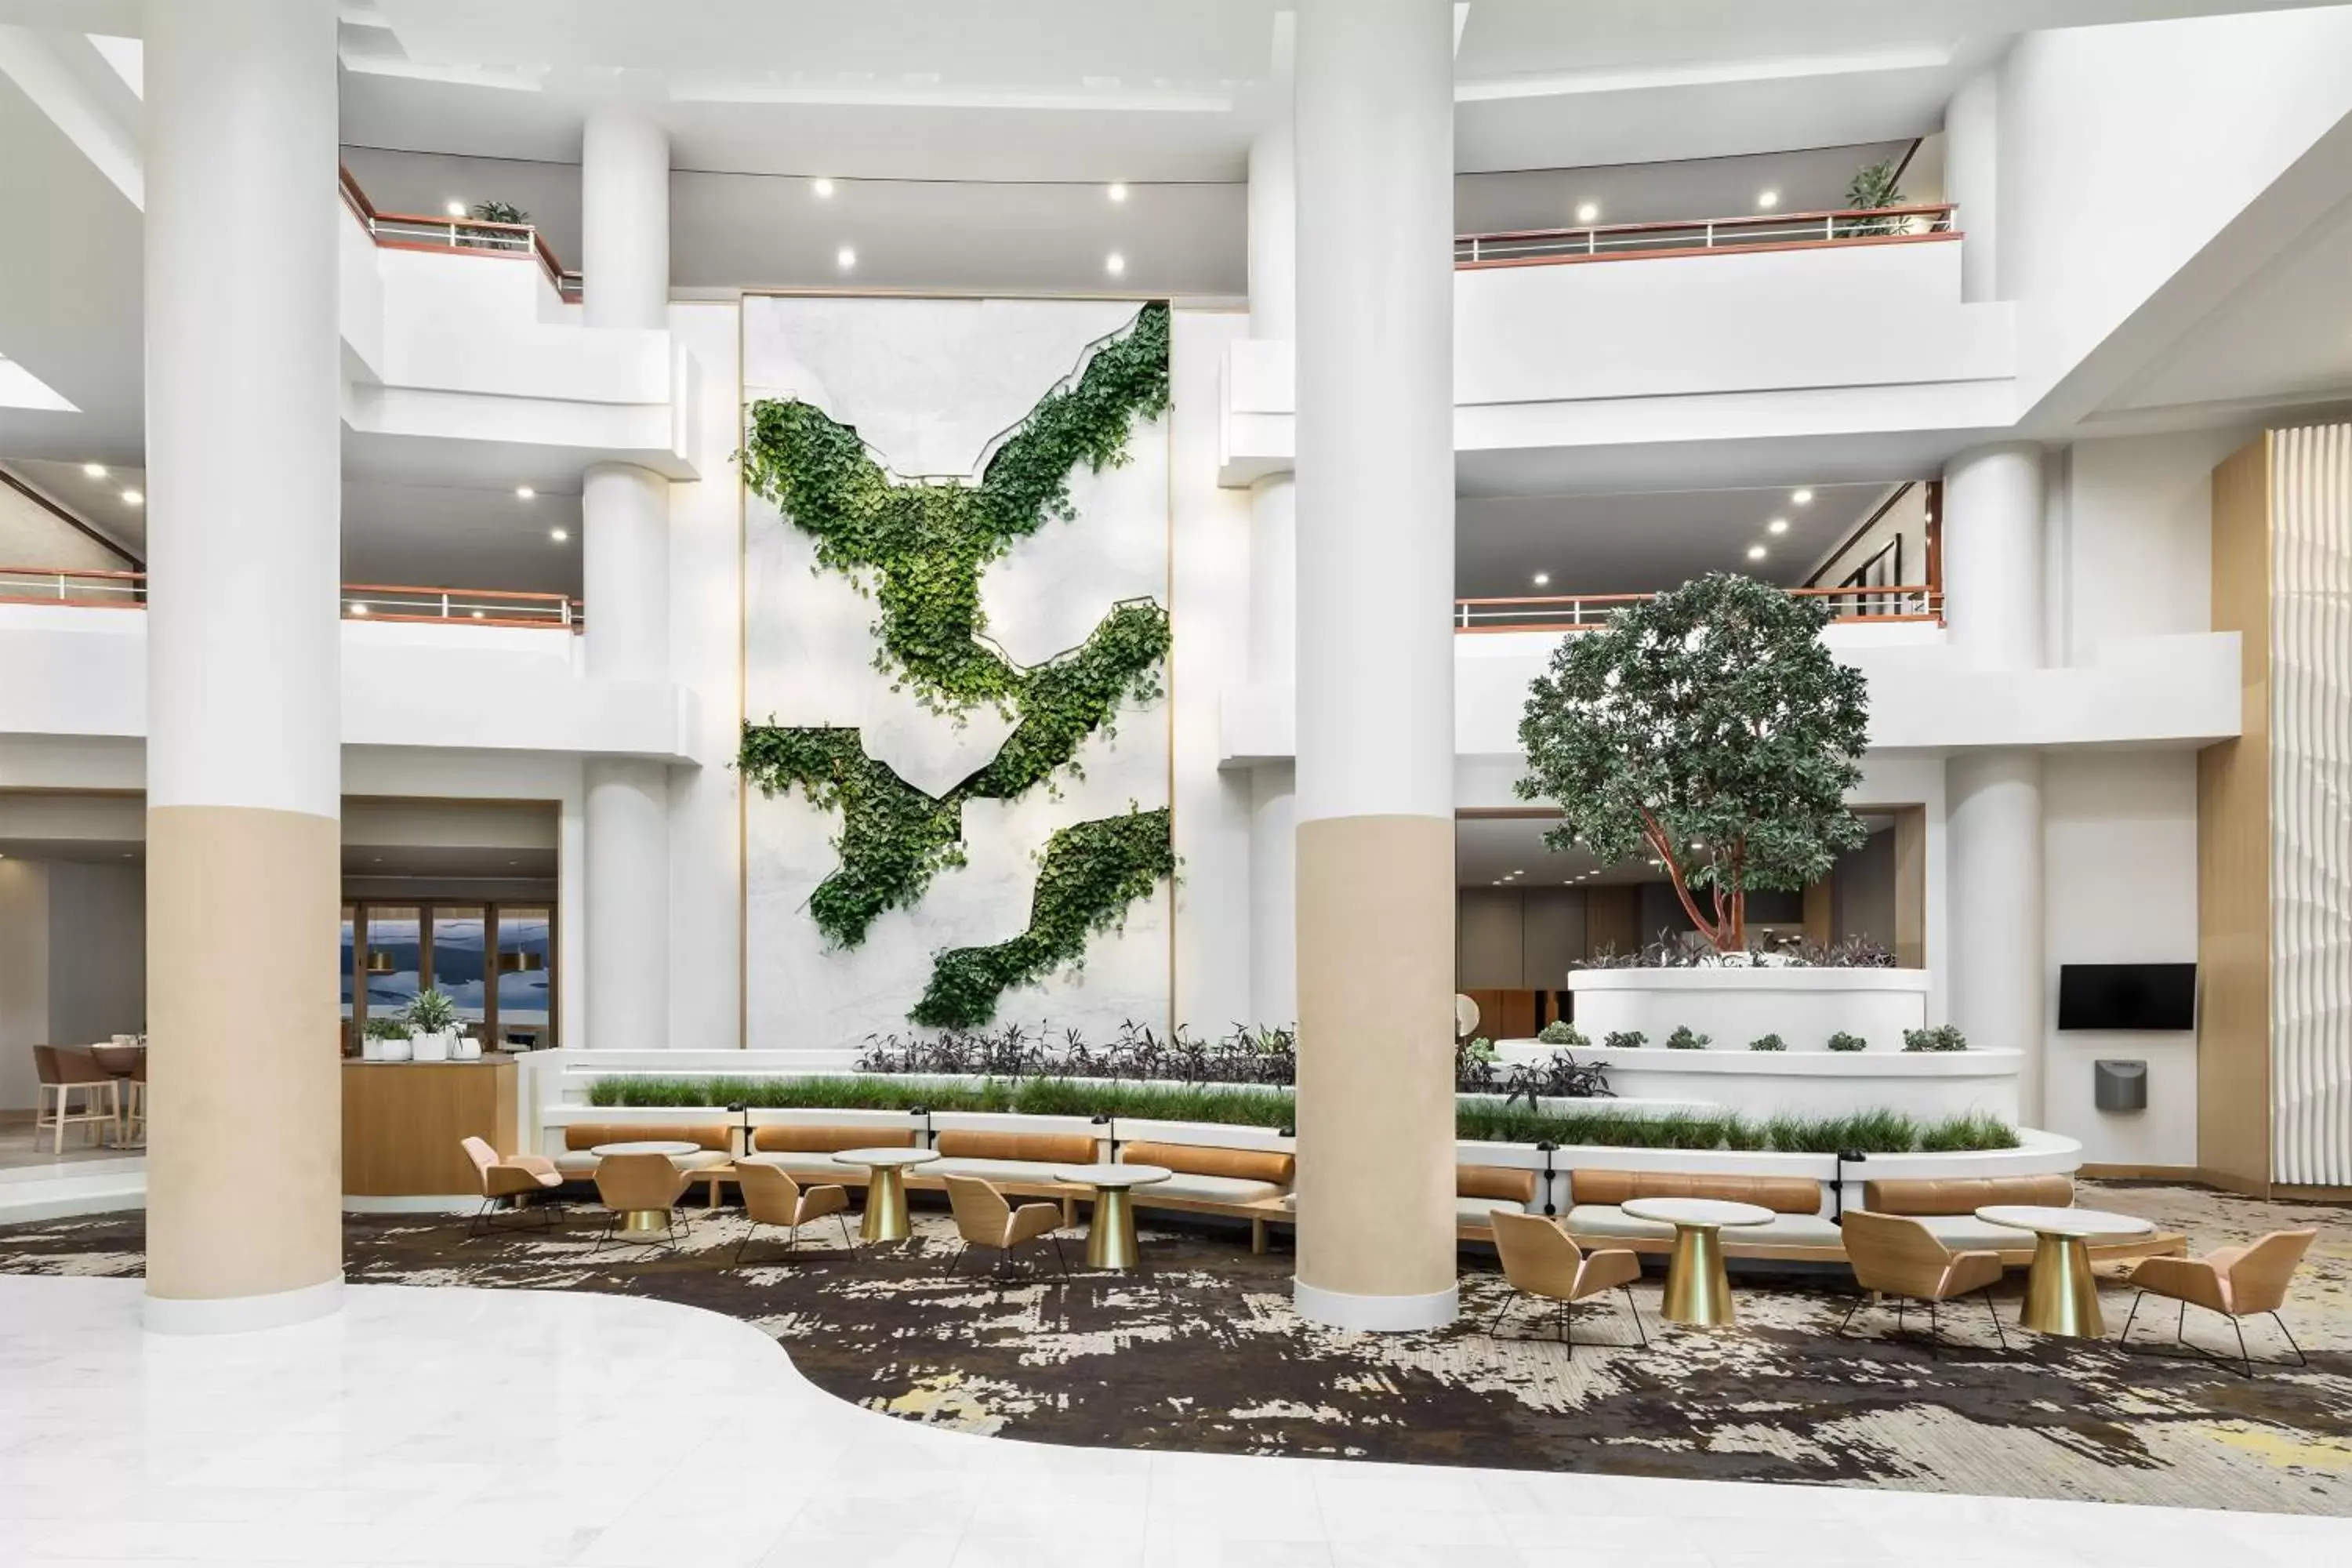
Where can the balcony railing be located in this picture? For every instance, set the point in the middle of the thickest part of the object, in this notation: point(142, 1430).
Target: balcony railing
point(1582, 611)
point(1705, 236)
point(361, 601)
point(462, 235)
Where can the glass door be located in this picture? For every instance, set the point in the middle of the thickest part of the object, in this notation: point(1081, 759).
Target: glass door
point(395, 957)
point(525, 967)
point(457, 956)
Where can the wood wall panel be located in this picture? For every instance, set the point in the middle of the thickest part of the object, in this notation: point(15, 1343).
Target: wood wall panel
point(1613, 920)
point(2233, 1057)
point(1911, 887)
point(403, 1123)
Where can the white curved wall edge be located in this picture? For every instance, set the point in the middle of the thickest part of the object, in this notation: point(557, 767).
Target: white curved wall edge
point(1929, 1085)
point(1803, 1006)
point(1390, 1314)
point(240, 1314)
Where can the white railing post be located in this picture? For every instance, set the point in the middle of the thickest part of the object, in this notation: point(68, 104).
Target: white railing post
point(444, 606)
point(1710, 234)
point(567, 612)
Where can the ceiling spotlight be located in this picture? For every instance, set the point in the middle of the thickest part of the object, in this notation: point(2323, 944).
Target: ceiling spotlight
point(524, 492)
point(1587, 211)
point(1543, 579)
point(359, 609)
point(1756, 553)
point(478, 615)
point(821, 187)
point(133, 497)
point(1778, 525)
point(456, 209)
point(1118, 191)
point(1115, 264)
point(845, 259)
point(1767, 200)
point(558, 535)
point(95, 470)
point(1518, 873)
point(1802, 498)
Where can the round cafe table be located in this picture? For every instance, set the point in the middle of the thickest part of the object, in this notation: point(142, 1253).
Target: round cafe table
point(1110, 1228)
point(645, 1219)
point(2060, 1295)
point(885, 1189)
point(1698, 1291)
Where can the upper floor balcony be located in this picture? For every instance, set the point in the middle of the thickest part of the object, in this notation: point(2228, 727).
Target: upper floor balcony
point(1635, 336)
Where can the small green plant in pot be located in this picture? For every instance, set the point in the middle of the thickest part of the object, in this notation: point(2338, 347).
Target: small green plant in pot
point(1686, 1039)
point(1625, 1039)
point(1939, 1038)
point(1767, 1043)
point(1560, 1032)
point(1842, 1041)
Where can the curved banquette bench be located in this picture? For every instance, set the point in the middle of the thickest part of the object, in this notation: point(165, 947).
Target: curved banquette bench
point(714, 1140)
point(1020, 1162)
point(1798, 1231)
point(1238, 1183)
point(1948, 1206)
point(802, 1150)
point(1480, 1190)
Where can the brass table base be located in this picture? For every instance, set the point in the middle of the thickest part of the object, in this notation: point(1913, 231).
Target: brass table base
point(643, 1221)
point(1698, 1292)
point(886, 1205)
point(2060, 1295)
point(1110, 1231)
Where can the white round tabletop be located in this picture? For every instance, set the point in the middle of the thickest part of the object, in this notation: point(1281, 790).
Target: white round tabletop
point(1112, 1175)
point(1696, 1211)
point(2063, 1222)
point(885, 1156)
point(672, 1147)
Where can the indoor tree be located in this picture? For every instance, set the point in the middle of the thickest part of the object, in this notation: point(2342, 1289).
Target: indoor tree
point(1710, 729)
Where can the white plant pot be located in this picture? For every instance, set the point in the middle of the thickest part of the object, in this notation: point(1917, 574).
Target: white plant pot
point(429, 1047)
point(371, 1049)
point(394, 1050)
point(466, 1048)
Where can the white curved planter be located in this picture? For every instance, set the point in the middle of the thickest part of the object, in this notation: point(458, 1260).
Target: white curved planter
point(1804, 1006)
point(1928, 1084)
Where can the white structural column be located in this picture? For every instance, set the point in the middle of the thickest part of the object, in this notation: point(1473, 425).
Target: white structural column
point(244, 756)
point(1992, 542)
point(1375, 662)
point(1273, 591)
point(1972, 180)
point(624, 548)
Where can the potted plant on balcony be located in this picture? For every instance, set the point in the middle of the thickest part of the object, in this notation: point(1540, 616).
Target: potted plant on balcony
point(1708, 731)
point(1871, 189)
point(498, 212)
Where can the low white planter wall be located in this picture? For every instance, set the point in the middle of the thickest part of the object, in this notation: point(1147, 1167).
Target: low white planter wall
point(1804, 1006)
point(1929, 1085)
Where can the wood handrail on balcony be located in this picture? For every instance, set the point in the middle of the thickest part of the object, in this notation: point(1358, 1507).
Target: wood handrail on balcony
point(1707, 237)
point(419, 231)
point(91, 589)
point(1584, 612)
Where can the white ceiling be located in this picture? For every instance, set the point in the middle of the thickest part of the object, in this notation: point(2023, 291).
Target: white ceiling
point(1634, 543)
point(1509, 851)
point(452, 536)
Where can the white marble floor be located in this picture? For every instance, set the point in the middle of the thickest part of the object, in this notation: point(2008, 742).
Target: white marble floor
point(459, 1427)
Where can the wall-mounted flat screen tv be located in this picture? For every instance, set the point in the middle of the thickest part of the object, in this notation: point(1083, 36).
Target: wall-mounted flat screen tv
point(2120, 997)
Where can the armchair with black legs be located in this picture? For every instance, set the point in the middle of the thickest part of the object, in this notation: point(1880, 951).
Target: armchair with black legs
point(642, 1192)
point(1896, 1256)
point(1542, 1260)
point(984, 1219)
point(2238, 1282)
point(512, 1181)
point(771, 1197)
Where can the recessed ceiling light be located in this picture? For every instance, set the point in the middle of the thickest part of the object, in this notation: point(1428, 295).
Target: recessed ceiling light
point(478, 615)
point(845, 259)
point(1543, 579)
point(1519, 873)
point(1778, 525)
point(557, 534)
point(95, 470)
point(456, 209)
point(1118, 191)
point(1115, 264)
point(524, 492)
point(133, 497)
point(359, 609)
point(821, 187)
point(1586, 212)
point(1768, 200)
point(1802, 498)
point(1756, 553)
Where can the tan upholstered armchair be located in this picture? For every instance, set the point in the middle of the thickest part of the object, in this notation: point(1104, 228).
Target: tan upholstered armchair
point(1542, 1260)
point(2239, 1282)
point(512, 1181)
point(771, 1197)
point(1894, 1254)
point(642, 1193)
point(984, 1219)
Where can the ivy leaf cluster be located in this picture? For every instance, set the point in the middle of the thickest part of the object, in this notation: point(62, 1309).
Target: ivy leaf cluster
point(1091, 872)
point(922, 548)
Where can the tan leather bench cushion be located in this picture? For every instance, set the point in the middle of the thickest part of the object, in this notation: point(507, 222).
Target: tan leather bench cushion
point(718, 1135)
point(1195, 1159)
point(1038, 1147)
point(807, 1139)
point(1493, 1182)
point(1965, 1194)
point(1782, 1195)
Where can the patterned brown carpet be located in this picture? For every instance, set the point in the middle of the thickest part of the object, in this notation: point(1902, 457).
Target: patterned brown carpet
point(1203, 1352)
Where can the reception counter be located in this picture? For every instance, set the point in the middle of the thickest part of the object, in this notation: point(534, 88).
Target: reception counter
point(403, 1123)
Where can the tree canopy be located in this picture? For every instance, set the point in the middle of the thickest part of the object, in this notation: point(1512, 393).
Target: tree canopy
point(1709, 729)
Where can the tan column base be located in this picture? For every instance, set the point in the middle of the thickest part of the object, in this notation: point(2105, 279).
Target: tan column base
point(245, 1139)
point(1376, 1243)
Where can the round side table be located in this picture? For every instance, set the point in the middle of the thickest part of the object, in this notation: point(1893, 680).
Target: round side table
point(885, 1189)
point(1111, 1227)
point(1698, 1291)
point(2061, 1297)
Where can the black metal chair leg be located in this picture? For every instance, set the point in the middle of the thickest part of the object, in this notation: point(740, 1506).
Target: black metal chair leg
point(2125, 1337)
point(955, 1264)
point(2300, 1359)
point(1996, 1321)
point(1502, 1312)
point(2245, 1359)
point(1838, 1333)
point(1633, 1312)
point(1059, 1262)
point(847, 1245)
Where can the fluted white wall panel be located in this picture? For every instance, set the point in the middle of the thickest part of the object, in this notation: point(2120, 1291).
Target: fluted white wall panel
point(2311, 805)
